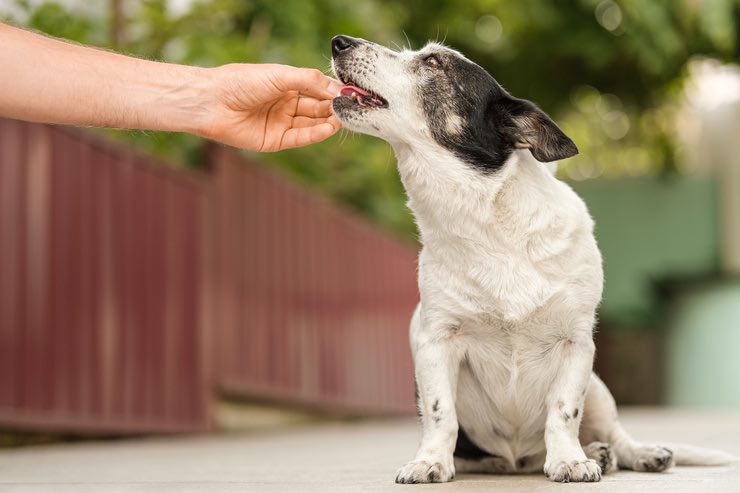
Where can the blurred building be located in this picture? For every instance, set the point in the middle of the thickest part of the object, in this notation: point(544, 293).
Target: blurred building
point(671, 247)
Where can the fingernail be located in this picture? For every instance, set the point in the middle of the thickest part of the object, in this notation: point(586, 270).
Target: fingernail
point(335, 88)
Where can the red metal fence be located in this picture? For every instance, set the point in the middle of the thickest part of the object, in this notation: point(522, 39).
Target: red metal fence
point(121, 279)
point(99, 286)
point(313, 303)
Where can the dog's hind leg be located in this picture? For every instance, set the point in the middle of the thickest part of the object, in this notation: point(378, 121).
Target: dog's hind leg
point(603, 454)
point(600, 423)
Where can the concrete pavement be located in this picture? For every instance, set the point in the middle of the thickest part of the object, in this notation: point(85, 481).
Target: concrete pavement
point(336, 457)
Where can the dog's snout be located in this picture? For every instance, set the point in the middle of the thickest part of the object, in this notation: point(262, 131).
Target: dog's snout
point(341, 43)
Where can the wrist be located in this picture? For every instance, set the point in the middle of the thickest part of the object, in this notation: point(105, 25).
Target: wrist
point(182, 101)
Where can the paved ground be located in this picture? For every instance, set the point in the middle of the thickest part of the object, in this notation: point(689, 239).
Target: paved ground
point(336, 457)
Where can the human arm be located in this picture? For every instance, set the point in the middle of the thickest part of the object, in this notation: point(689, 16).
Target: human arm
point(257, 107)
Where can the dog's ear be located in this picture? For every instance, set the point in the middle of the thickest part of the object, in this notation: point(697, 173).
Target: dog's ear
point(525, 126)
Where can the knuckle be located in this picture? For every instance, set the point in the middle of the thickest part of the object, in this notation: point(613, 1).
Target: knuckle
point(314, 75)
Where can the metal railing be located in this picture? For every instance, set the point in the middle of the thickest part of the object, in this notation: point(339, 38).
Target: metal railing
point(131, 292)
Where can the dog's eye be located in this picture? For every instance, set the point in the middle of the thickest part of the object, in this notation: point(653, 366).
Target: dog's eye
point(432, 61)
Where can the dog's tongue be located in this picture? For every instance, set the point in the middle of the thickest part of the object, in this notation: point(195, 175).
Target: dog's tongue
point(352, 91)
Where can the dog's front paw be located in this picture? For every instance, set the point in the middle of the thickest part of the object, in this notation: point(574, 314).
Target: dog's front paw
point(652, 459)
point(580, 471)
point(424, 471)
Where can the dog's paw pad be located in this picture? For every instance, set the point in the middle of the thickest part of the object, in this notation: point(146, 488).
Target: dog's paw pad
point(603, 454)
point(421, 471)
point(575, 471)
point(653, 459)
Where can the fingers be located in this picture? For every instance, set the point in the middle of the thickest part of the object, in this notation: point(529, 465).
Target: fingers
point(307, 81)
point(304, 109)
point(313, 108)
point(304, 121)
point(303, 136)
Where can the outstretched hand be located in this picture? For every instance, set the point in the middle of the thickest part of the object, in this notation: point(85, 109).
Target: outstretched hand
point(264, 107)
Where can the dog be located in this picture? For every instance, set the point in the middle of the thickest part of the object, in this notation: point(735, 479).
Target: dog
point(510, 275)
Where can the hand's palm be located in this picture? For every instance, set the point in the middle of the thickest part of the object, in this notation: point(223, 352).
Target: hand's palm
point(258, 114)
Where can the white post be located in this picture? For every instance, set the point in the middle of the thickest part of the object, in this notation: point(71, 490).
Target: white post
point(714, 97)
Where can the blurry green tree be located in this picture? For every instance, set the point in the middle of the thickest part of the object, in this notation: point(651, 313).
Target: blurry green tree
point(609, 70)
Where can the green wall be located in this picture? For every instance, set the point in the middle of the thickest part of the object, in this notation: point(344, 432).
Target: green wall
point(703, 365)
point(650, 230)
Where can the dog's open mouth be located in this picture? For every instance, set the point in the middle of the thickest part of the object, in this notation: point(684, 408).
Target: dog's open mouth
point(362, 97)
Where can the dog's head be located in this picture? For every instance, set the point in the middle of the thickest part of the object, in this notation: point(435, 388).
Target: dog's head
point(412, 96)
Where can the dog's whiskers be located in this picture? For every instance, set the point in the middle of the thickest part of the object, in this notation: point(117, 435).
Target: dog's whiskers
point(344, 136)
point(328, 70)
point(397, 46)
point(408, 41)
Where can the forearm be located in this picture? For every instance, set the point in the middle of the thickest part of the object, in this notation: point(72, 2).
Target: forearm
point(46, 80)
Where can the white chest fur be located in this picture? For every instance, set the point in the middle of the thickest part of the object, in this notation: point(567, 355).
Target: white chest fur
point(498, 245)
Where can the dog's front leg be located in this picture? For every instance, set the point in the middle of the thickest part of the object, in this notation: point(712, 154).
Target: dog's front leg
point(437, 364)
point(566, 460)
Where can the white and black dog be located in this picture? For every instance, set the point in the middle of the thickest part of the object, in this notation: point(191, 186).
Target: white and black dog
point(510, 274)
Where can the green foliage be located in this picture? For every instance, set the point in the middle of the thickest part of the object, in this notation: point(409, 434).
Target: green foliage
point(607, 70)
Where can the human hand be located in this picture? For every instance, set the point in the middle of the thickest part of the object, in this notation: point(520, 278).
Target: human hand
point(267, 107)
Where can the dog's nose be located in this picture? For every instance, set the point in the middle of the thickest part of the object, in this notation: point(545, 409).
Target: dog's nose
point(341, 43)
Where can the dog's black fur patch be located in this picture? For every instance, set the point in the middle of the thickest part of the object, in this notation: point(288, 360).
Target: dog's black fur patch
point(417, 400)
point(466, 449)
point(488, 123)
